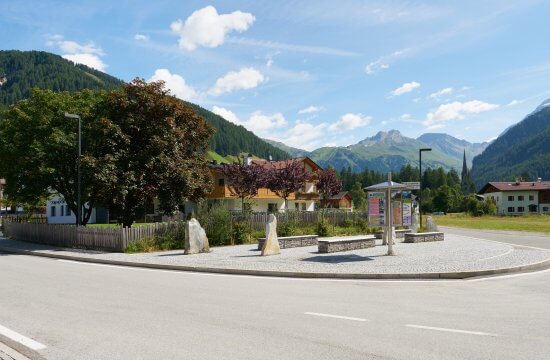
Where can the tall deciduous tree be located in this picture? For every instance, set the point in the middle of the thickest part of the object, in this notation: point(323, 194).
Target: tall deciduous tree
point(328, 185)
point(244, 180)
point(158, 148)
point(359, 197)
point(38, 149)
point(287, 179)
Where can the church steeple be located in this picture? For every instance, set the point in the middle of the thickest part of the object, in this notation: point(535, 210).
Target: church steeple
point(465, 181)
point(464, 167)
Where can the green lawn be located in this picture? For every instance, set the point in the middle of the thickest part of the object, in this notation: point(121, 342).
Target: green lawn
point(117, 225)
point(533, 223)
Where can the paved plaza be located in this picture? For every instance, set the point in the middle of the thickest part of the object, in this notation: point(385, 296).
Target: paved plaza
point(456, 254)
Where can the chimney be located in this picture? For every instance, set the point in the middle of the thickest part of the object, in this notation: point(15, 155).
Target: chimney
point(517, 181)
point(539, 180)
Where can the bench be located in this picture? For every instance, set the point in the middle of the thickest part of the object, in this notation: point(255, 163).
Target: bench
point(424, 237)
point(398, 233)
point(286, 242)
point(334, 244)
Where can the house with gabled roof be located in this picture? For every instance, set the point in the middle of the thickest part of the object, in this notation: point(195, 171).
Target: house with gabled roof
point(519, 197)
point(267, 200)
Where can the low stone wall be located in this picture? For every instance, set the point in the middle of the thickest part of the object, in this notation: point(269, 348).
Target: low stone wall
point(424, 237)
point(286, 242)
point(398, 233)
point(345, 244)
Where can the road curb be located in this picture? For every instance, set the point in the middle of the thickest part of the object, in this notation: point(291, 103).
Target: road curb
point(288, 274)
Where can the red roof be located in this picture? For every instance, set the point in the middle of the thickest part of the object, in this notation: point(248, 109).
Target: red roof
point(283, 163)
point(515, 186)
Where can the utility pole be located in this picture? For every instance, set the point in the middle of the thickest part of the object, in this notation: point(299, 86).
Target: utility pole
point(420, 179)
point(79, 175)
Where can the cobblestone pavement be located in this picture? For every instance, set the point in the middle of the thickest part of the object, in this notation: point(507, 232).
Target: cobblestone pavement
point(455, 254)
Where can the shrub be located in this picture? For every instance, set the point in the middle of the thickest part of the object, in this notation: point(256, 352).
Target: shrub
point(241, 233)
point(216, 220)
point(347, 223)
point(323, 227)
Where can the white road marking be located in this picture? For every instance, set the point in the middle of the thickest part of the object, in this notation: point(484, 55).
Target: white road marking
point(23, 340)
point(500, 242)
point(450, 330)
point(509, 276)
point(496, 256)
point(336, 316)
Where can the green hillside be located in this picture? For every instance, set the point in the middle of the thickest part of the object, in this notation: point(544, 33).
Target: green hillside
point(294, 152)
point(21, 71)
point(521, 151)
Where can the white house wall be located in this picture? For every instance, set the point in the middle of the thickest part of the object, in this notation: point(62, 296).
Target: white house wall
point(58, 203)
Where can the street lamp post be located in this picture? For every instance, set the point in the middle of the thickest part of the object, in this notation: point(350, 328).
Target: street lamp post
point(420, 180)
point(78, 176)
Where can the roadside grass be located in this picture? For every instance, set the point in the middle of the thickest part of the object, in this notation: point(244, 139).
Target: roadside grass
point(118, 225)
point(531, 223)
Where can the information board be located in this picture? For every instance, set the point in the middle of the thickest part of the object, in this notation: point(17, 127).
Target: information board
point(377, 208)
point(407, 208)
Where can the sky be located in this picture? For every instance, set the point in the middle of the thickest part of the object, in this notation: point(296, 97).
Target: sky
point(313, 73)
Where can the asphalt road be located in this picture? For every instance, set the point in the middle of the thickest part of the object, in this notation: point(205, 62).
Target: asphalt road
point(87, 311)
point(510, 237)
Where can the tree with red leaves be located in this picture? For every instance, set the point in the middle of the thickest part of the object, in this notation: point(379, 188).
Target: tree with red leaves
point(243, 180)
point(287, 180)
point(328, 185)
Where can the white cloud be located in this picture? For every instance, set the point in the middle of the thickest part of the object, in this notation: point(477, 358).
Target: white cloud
point(466, 88)
point(310, 109)
point(304, 135)
point(349, 122)
point(226, 114)
point(406, 117)
point(175, 83)
point(205, 27)
point(72, 47)
point(514, 102)
point(435, 127)
point(456, 110)
point(141, 37)
point(89, 60)
point(262, 124)
point(405, 88)
point(259, 123)
point(87, 54)
point(436, 95)
point(383, 62)
point(246, 78)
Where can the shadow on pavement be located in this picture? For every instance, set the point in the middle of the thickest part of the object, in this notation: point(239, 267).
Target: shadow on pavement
point(337, 259)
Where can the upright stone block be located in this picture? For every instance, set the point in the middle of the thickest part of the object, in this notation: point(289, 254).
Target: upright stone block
point(431, 226)
point(415, 223)
point(271, 245)
point(195, 238)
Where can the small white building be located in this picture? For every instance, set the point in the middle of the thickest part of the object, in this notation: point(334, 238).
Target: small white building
point(519, 197)
point(58, 212)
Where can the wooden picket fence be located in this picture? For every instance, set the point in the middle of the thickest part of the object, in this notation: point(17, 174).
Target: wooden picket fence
point(96, 238)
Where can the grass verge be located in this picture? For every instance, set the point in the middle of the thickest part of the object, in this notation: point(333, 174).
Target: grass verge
point(531, 223)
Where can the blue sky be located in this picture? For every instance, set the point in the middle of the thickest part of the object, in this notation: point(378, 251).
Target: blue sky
point(313, 73)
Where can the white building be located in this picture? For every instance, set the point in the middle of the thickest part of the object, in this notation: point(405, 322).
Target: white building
point(516, 198)
point(58, 212)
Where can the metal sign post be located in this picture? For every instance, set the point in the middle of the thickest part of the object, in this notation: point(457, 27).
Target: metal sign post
point(389, 218)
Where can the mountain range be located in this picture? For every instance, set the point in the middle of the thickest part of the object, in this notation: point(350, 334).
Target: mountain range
point(391, 150)
point(522, 151)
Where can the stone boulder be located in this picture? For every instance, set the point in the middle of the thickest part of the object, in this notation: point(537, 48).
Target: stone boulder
point(415, 223)
point(271, 244)
point(431, 226)
point(195, 238)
